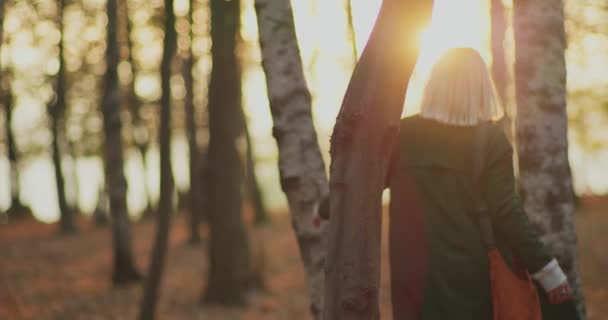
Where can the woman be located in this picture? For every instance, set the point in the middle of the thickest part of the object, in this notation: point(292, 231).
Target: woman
point(439, 265)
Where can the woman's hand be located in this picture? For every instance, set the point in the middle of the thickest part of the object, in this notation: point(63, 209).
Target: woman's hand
point(552, 278)
point(560, 294)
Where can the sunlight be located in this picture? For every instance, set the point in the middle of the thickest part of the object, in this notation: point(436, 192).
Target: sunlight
point(454, 24)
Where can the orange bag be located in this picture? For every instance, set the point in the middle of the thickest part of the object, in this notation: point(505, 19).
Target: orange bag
point(514, 295)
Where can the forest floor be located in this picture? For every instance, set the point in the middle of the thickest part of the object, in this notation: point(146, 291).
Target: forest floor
point(46, 276)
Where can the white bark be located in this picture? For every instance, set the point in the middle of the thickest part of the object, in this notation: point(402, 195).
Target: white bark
point(542, 130)
point(301, 167)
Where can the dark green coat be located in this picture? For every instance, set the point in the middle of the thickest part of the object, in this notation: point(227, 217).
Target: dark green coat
point(439, 266)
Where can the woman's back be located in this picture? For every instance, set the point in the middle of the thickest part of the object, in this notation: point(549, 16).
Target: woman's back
point(439, 264)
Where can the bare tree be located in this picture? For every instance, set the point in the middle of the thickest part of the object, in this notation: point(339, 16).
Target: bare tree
point(350, 28)
point(227, 236)
point(253, 186)
point(116, 183)
point(194, 195)
point(56, 111)
point(6, 99)
point(152, 285)
point(361, 147)
point(16, 209)
point(301, 167)
point(542, 130)
point(140, 131)
point(499, 64)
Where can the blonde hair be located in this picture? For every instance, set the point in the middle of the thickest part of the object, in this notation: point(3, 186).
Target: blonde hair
point(460, 90)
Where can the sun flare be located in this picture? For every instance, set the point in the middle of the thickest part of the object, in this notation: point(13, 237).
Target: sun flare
point(454, 24)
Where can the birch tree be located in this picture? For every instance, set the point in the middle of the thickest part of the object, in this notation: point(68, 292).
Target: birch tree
point(116, 183)
point(301, 167)
point(542, 130)
point(361, 146)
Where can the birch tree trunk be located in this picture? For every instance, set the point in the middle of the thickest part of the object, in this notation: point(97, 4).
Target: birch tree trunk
point(301, 167)
point(57, 113)
point(165, 203)
point(542, 130)
point(361, 146)
point(116, 183)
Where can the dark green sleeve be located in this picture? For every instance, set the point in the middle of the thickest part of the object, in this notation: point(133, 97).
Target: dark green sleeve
point(509, 219)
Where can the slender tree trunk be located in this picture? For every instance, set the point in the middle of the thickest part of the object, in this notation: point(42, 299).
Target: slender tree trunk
point(152, 286)
point(141, 134)
point(542, 130)
point(143, 151)
point(253, 187)
point(301, 167)
point(350, 27)
point(74, 201)
point(6, 99)
point(116, 185)
point(227, 234)
point(361, 146)
point(194, 200)
point(499, 64)
point(57, 112)
point(17, 209)
point(100, 215)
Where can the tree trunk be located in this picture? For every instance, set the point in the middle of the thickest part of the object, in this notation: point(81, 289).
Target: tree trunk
point(141, 134)
point(57, 112)
point(350, 27)
point(74, 199)
point(100, 214)
point(17, 209)
point(116, 185)
point(301, 167)
point(152, 286)
point(542, 125)
point(253, 187)
point(499, 64)
point(194, 199)
point(361, 146)
point(227, 241)
point(6, 99)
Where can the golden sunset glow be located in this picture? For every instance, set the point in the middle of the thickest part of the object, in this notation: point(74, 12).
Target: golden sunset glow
point(328, 60)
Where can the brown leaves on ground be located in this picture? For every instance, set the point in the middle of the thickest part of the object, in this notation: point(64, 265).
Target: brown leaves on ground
point(47, 276)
